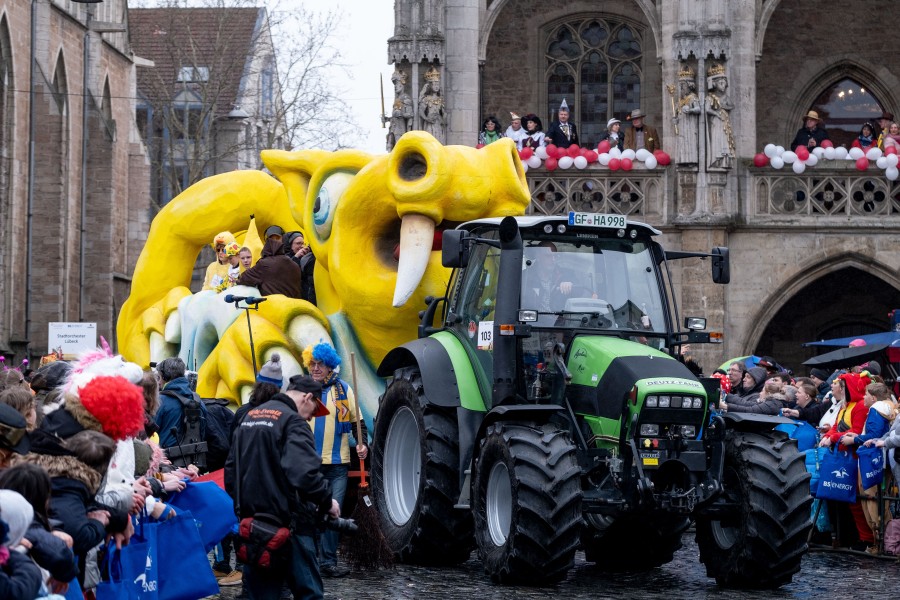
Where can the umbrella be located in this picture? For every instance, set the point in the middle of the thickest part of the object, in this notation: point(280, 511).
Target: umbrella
point(885, 337)
point(846, 357)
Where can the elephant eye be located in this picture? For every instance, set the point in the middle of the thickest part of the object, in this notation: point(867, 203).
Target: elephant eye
point(327, 200)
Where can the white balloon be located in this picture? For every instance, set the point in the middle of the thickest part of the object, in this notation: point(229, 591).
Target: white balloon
point(580, 162)
point(818, 151)
point(533, 161)
point(603, 158)
point(829, 153)
point(856, 153)
point(892, 160)
point(524, 167)
point(789, 157)
point(892, 173)
point(881, 162)
point(642, 154)
point(565, 162)
point(541, 153)
point(873, 153)
point(840, 153)
point(628, 153)
point(651, 162)
point(798, 167)
point(812, 161)
point(614, 152)
point(776, 162)
point(769, 150)
point(779, 150)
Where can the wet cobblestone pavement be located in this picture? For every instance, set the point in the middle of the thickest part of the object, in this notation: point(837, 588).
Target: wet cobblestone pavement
point(824, 574)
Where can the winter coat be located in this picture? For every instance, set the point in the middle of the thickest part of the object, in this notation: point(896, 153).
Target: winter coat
point(556, 136)
point(273, 459)
point(812, 413)
point(51, 553)
point(892, 437)
point(770, 405)
point(878, 422)
point(652, 141)
point(804, 135)
point(171, 411)
point(20, 578)
point(274, 273)
point(619, 142)
point(858, 415)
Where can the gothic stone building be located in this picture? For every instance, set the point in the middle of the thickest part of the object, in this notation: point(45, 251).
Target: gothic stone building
point(814, 255)
point(75, 213)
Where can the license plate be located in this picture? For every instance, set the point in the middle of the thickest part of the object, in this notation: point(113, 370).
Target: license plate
point(650, 462)
point(597, 220)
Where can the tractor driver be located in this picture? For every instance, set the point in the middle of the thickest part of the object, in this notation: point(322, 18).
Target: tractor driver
point(545, 286)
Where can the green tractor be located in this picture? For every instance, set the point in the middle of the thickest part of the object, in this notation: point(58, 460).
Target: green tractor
point(547, 414)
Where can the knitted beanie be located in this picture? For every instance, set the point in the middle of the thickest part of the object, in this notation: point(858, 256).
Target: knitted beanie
point(271, 371)
point(819, 373)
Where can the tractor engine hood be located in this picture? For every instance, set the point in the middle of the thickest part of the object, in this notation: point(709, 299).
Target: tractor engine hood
point(605, 369)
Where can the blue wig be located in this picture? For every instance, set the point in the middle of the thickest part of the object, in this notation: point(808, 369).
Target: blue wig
point(326, 354)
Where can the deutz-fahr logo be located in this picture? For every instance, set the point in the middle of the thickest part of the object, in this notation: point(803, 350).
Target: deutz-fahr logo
point(684, 382)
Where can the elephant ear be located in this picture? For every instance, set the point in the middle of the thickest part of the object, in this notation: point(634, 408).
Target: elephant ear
point(295, 170)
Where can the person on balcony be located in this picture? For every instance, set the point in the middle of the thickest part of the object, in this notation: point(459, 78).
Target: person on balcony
point(562, 133)
point(890, 138)
point(613, 135)
point(641, 135)
point(812, 134)
point(535, 130)
point(866, 138)
point(490, 131)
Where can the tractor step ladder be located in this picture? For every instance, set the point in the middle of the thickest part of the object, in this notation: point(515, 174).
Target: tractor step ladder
point(463, 501)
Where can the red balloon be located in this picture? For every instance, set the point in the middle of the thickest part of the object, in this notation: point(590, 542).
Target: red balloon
point(663, 158)
point(627, 164)
point(551, 164)
point(603, 147)
point(591, 156)
point(890, 150)
point(802, 152)
point(551, 150)
point(827, 144)
point(479, 146)
point(573, 150)
point(862, 163)
point(526, 153)
point(760, 160)
point(614, 164)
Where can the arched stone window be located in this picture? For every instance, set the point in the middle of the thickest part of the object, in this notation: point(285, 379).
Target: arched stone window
point(594, 63)
point(845, 106)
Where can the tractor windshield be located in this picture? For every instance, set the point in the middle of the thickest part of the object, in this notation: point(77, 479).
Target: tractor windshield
point(607, 284)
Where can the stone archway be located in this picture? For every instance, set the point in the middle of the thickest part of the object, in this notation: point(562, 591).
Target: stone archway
point(819, 310)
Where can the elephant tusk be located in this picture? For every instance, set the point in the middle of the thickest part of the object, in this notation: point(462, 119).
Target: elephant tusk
point(416, 239)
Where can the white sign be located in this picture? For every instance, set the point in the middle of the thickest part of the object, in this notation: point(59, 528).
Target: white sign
point(486, 335)
point(597, 220)
point(71, 337)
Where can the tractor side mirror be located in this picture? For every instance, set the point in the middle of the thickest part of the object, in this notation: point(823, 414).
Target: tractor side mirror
point(721, 266)
point(455, 249)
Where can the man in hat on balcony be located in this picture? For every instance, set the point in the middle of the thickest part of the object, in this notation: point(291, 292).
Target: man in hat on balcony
point(641, 135)
point(515, 131)
point(812, 134)
point(884, 123)
point(561, 132)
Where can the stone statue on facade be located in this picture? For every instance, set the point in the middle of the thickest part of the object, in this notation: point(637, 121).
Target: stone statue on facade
point(687, 117)
point(720, 148)
point(431, 105)
point(401, 119)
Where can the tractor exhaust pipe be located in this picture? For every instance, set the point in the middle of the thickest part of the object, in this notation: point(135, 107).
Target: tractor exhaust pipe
point(506, 312)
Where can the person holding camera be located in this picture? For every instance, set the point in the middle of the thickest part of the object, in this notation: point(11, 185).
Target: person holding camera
point(273, 474)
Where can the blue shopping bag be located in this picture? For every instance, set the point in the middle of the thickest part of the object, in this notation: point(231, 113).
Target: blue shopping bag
point(871, 466)
point(184, 569)
point(212, 508)
point(814, 458)
point(837, 477)
point(74, 592)
point(132, 572)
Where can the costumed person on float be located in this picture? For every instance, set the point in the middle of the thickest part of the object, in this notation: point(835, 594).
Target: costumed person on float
point(217, 272)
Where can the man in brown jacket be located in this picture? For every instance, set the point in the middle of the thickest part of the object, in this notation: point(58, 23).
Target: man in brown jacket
point(640, 135)
point(274, 273)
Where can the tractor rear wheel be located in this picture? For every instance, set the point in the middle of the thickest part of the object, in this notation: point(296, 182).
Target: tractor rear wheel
point(415, 476)
point(760, 544)
point(527, 503)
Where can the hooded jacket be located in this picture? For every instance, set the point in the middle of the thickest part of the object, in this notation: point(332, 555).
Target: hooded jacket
point(273, 467)
point(770, 405)
point(744, 396)
point(169, 415)
point(274, 273)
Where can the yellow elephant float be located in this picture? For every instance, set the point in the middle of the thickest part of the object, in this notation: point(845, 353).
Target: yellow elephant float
point(374, 224)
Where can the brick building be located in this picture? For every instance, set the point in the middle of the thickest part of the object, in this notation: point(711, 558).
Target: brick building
point(74, 215)
point(813, 254)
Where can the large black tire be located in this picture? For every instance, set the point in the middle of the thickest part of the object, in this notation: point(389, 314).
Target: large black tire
point(415, 476)
point(635, 544)
point(762, 544)
point(527, 503)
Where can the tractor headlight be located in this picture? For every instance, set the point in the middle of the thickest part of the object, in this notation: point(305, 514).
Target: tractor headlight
point(697, 403)
point(651, 402)
point(688, 431)
point(664, 401)
point(649, 430)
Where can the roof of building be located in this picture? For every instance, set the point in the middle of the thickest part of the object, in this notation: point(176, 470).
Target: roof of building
point(218, 39)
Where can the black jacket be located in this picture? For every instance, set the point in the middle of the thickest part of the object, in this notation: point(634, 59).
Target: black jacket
point(556, 137)
point(273, 459)
point(20, 578)
point(813, 412)
point(803, 136)
point(274, 273)
point(51, 553)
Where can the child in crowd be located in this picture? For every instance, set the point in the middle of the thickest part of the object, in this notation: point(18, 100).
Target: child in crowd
point(23, 401)
point(20, 578)
point(246, 258)
point(232, 252)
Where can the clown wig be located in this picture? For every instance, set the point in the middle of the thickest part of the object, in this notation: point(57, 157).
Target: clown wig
point(323, 353)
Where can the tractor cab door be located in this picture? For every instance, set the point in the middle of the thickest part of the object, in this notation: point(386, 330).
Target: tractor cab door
point(473, 308)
